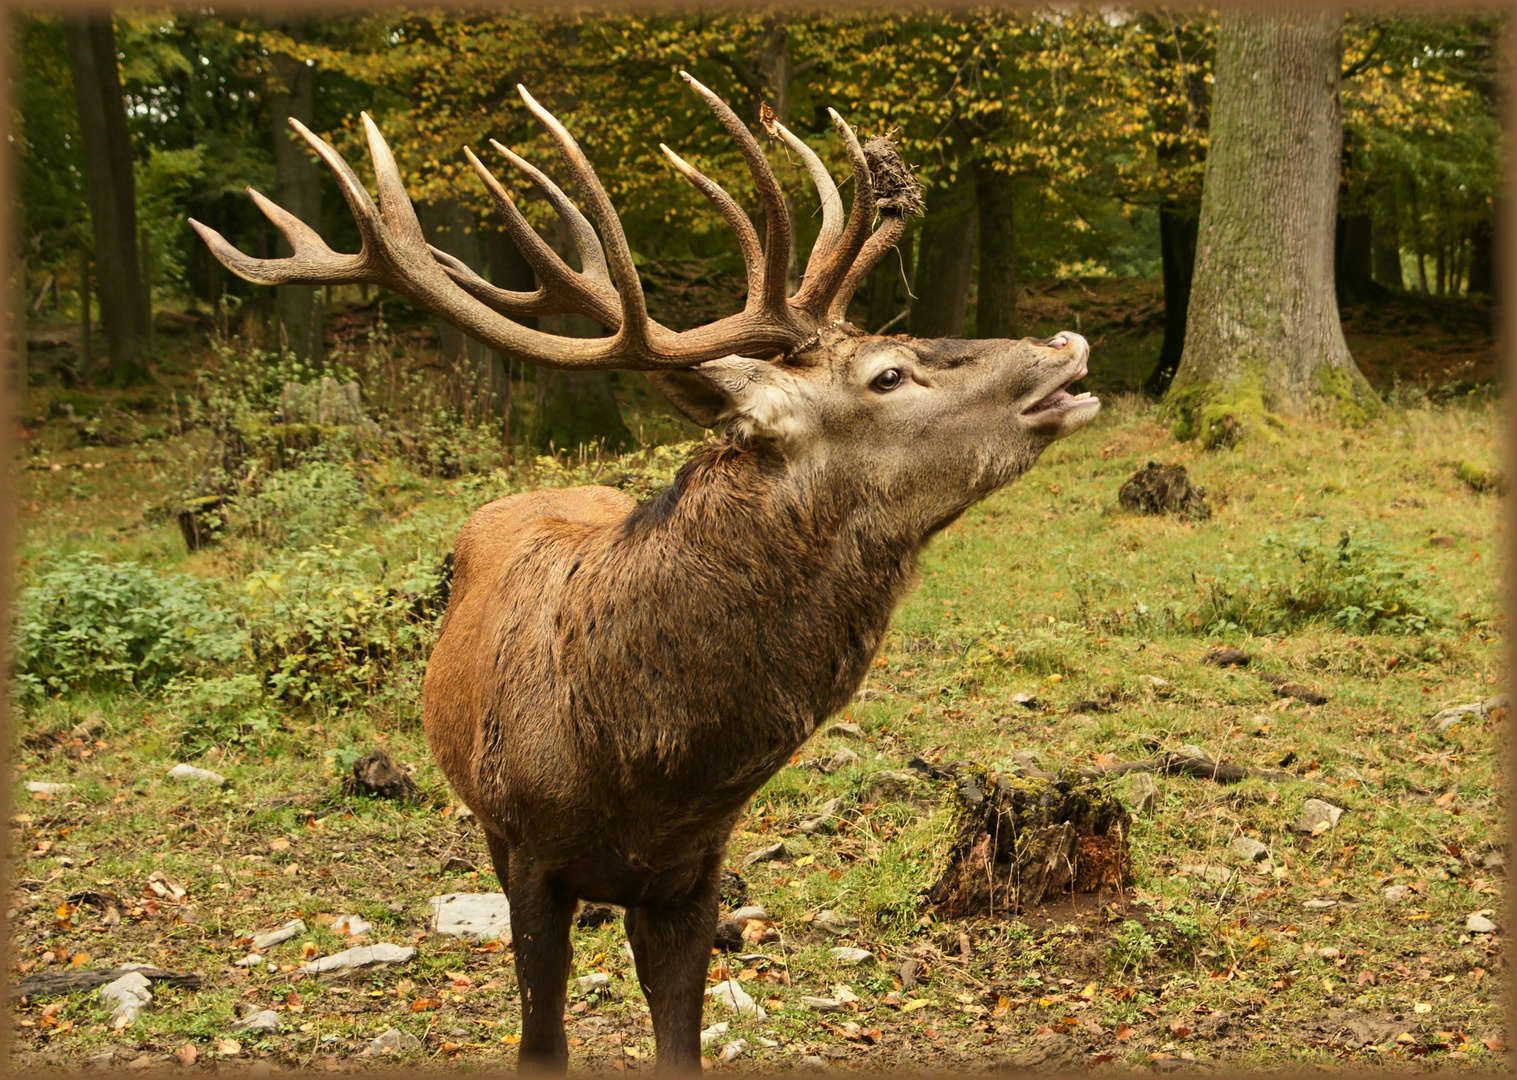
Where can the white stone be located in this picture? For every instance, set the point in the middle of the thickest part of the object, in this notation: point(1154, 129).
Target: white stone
point(848, 954)
point(480, 916)
point(1319, 905)
point(734, 1050)
point(751, 911)
point(821, 1004)
point(846, 730)
point(832, 922)
point(351, 925)
point(1459, 713)
point(1137, 793)
point(732, 995)
point(1479, 924)
point(843, 758)
point(1249, 849)
point(190, 773)
point(1317, 817)
point(265, 1021)
point(251, 960)
point(829, 810)
point(39, 787)
point(1191, 750)
point(365, 956)
point(1395, 893)
point(712, 1033)
point(294, 928)
point(130, 994)
point(393, 1040)
point(586, 984)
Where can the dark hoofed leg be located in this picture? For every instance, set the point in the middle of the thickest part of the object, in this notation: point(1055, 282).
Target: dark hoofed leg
point(541, 914)
point(671, 944)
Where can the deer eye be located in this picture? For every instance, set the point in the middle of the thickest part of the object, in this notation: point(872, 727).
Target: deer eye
point(887, 380)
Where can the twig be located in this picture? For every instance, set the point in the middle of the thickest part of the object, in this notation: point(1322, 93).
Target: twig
point(1169, 763)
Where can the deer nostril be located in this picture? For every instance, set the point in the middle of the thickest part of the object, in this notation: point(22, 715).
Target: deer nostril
point(1058, 341)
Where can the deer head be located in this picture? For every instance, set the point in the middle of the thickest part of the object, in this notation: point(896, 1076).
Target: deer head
point(938, 424)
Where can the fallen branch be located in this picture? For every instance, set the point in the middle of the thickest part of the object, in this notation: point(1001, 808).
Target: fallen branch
point(1168, 763)
point(67, 981)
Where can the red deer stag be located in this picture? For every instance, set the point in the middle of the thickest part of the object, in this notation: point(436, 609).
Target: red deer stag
point(615, 679)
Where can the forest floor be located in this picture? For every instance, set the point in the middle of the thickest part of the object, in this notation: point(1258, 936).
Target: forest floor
point(1047, 621)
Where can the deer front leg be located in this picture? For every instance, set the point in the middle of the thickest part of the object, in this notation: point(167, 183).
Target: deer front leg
point(541, 913)
point(671, 945)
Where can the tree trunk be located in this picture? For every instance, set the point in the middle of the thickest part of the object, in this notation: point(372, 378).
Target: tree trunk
point(890, 289)
point(297, 187)
point(110, 188)
point(1385, 244)
point(1262, 329)
point(1177, 250)
point(509, 269)
point(774, 70)
point(1353, 262)
point(996, 302)
point(575, 408)
point(451, 226)
point(1479, 274)
point(945, 262)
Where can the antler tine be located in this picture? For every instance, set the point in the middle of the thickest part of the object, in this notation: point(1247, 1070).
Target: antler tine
point(629, 288)
point(747, 237)
point(875, 249)
point(311, 260)
point(573, 292)
point(816, 292)
point(516, 304)
point(776, 217)
point(592, 257)
point(365, 213)
point(395, 206)
point(826, 189)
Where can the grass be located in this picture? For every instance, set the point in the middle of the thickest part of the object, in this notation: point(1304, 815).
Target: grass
point(1047, 589)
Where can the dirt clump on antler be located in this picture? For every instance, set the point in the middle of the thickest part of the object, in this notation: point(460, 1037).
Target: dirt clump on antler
point(1021, 841)
point(896, 191)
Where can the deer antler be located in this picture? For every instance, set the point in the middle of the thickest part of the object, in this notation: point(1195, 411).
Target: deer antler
point(394, 254)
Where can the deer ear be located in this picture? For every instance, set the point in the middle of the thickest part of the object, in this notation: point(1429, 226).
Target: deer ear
point(752, 392)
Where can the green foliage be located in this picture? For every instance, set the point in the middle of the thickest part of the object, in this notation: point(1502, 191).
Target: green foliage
point(299, 507)
point(220, 710)
point(1354, 582)
point(86, 623)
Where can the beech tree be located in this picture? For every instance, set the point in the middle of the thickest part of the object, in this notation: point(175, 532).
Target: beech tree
point(1263, 335)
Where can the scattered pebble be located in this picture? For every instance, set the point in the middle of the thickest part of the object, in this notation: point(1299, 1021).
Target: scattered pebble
point(39, 787)
point(393, 1040)
point(264, 1021)
point(766, 854)
point(1317, 817)
point(478, 916)
point(251, 960)
point(1479, 924)
point(750, 911)
point(264, 942)
point(365, 956)
point(1395, 893)
point(829, 811)
point(587, 984)
point(185, 772)
point(1191, 750)
point(130, 994)
point(1459, 713)
point(732, 995)
point(1137, 793)
point(849, 954)
point(1249, 849)
point(843, 758)
point(1153, 682)
point(1026, 700)
point(811, 1063)
point(821, 1004)
point(351, 925)
point(713, 1032)
point(734, 1050)
point(1319, 905)
point(846, 730)
point(908, 972)
point(832, 922)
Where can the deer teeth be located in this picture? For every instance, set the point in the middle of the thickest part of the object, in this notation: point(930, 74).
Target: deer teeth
point(1082, 396)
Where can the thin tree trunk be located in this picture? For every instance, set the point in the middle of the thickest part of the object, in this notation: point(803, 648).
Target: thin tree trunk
point(890, 288)
point(1177, 251)
point(1440, 262)
point(1386, 254)
point(945, 262)
point(1353, 260)
point(110, 188)
point(451, 226)
point(996, 302)
point(297, 184)
point(1479, 274)
point(86, 342)
point(508, 270)
point(1262, 329)
point(774, 69)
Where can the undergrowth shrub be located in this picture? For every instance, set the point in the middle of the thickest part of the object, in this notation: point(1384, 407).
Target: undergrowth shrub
point(89, 624)
point(301, 506)
point(1353, 582)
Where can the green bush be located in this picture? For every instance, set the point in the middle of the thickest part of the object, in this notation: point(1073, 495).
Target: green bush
point(90, 624)
point(1354, 583)
point(301, 506)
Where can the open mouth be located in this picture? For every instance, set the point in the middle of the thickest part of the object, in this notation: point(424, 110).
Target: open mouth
point(1059, 401)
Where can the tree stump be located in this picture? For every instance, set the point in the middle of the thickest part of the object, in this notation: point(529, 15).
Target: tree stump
point(1020, 841)
point(1164, 489)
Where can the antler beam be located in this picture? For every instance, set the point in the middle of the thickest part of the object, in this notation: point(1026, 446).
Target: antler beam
point(395, 254)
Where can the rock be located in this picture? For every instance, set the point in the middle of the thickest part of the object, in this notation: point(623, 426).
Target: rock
point(1317, 817)
point(392, 1041)
point(821, 1004)
point(1226, 657)
point(714, 1032)
point(729, 936)
point(189, 774)
point(1191, 750)
point(1137, 793)
point(1500, 701)
point(1328, 953)
point(128, 995)
point(1459, 714)
point(732, 995)
point(358, 959)
point(351, 925)
point(376, 774)
point(458, 864)
point(1395, 893)
point(1319, 905)
point(1480, 479)
point(766, 854)
point(908, 973)
point(1248, 849)
point(733, 1050)
point(265, 1021)
point(830, 809)
point(39, 787)
point(588, 984)
point(750, 911)
point(843, 758)
point(1163, 489)
point(1027, 701)
point(734, 888)
point(251, 960)
point(266, 941)
point(848, 954)
point(1153, 682)
point(832, 922)
point(846, 730)
point(1478, 923)
point(590, 916)
point(811, 1063)
point(1217, 875)
point(479, 916)
point(1288, 688)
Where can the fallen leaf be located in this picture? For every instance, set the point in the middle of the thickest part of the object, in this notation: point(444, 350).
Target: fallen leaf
point(229, 1047)
point(1124, 1033)
point(1496, 1044)
point(423, 1004)
point(1366, 977)
point(186, 1055)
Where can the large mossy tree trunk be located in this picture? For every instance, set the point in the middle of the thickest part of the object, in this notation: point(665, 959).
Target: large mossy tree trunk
point(996, 299)
point(110, 189)
point(298, 311)
point(1263, 336)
